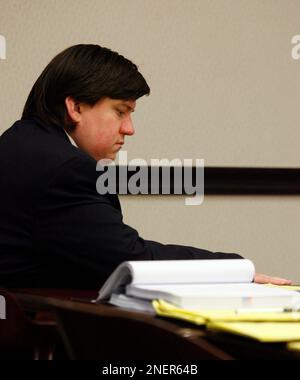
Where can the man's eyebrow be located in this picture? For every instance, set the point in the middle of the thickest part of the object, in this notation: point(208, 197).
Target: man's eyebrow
point(127, 106)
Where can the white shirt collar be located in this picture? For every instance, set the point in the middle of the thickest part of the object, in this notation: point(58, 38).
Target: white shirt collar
point(71, 140)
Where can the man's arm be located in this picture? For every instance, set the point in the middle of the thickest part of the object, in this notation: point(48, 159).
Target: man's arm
point(79, 228)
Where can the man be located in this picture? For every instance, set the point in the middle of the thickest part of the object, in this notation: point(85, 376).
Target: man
point(55, 229)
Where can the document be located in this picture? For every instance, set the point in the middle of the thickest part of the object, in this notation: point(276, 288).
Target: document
point(202, 317)
point(263, 325)
point(268, 332)
point(193, 285)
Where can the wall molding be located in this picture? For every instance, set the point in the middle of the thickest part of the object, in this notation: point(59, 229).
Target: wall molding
point(243, 181)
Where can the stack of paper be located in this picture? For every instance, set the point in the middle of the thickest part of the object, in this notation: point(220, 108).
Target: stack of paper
point(269, 325)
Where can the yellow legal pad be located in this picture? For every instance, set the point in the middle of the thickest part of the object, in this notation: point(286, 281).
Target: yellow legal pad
point(293, 346)
point(287, 287)
point(262, 331)
point(202, 317)
point(262, 326)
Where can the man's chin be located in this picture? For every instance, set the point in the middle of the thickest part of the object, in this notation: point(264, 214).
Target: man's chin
point(111, 157)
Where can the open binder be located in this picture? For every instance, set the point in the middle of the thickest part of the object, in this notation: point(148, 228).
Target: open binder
point(193, 285)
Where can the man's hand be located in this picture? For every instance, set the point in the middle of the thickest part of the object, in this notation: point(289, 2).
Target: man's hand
point(264, 279)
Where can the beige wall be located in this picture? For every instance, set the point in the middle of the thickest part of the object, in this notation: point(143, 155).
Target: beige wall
point(224, 88)
point(263, 229)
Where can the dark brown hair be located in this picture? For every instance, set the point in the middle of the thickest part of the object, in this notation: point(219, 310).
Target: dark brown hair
point(87, 73)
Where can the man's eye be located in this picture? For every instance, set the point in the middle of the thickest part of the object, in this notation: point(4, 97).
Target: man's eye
point(120, 113)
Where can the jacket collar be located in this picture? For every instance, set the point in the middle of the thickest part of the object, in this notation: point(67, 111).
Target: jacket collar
point(52, 129)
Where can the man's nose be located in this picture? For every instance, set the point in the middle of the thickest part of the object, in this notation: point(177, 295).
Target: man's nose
point(127, 127)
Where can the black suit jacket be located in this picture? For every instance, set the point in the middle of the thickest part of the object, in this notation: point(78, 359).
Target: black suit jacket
point(55, 229)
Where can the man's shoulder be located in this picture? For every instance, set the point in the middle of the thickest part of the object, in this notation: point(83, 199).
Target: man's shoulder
point(39, 145)
point(37, 160)
point(36, 155)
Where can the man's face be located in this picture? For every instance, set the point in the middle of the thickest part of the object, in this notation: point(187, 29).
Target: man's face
point(101, 129)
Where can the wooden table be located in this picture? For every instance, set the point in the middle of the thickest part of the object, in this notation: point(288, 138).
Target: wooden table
point(104, 332)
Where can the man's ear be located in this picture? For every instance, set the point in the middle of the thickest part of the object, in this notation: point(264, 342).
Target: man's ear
point(73, 109)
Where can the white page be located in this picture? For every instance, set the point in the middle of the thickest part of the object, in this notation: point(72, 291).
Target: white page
point(177, 272)
point(192, 271)
point(213, 290)
point(217, 296)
